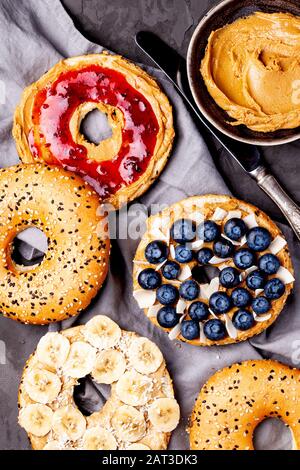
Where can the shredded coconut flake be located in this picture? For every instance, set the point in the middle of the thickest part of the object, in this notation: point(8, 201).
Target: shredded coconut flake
point(144, 298)
point(172, 251)
point(153, 311)
point(181, 306)
point(219, 214)
point(232, 331)
point(277, 245)
point(250, 221)
point(261, 318)
point(196, 245)
point(285, 275)
point(217, 260)
point(185, 273)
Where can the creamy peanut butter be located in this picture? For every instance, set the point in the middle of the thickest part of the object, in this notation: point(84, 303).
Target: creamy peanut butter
point(252, 70)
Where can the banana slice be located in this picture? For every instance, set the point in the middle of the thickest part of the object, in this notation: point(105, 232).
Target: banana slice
point(137, 446)
point(52, 350)
point(36, 419)
point(81, 360)
point(164, 414)
point(145, 356)
point(129, 424)
point(134, 388)
point(68, 423)
point(99, 438)
point(41, 385)
point(109, 367)
point(101, 332)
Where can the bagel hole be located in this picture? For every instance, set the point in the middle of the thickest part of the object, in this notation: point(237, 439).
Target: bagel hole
point(89, 396)
point(272, 434)
point(204, 274)
point(95, 127)
point(29, 248)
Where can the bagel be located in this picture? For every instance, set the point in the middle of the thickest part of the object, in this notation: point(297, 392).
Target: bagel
point(121, 167)
point(140, 413)
point(209, 313)
point(236, 399)
point(64, 208)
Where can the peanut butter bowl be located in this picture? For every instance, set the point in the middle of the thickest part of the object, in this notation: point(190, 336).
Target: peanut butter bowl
point(244, 69)
point(47, 124)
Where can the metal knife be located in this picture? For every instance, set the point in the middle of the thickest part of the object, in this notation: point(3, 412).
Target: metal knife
point(248, 156)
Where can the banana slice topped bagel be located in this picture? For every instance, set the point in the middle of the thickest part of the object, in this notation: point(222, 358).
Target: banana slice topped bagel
point(140, 413)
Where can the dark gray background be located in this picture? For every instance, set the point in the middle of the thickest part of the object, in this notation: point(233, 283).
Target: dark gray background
point(114, 23)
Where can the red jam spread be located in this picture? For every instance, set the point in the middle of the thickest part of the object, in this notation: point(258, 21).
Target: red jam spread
point(53, 110)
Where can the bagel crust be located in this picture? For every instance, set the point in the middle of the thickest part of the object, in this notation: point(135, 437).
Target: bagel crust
point(145, 433)
point(64, 208)
point(120, 168)
point(236, 399)
point(205, 207)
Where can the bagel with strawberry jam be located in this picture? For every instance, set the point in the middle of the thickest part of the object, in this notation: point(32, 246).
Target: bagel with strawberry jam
point(120, 168)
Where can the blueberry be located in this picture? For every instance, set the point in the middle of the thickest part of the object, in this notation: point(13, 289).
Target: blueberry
point(183, 230)
point(215, 330)
point(156, 252)
point(190, 329)
point(149, 279)
point(274, 289)
point(204, 255)
point(243, 320)
point(198, 311)
point(223, 248)
point(235, 229)
point(183, 254)
point(241, 297)
point(170, 270)
point(256, 280)
point(167, 294)
point(259, 238)
point(261, 305)
point(167, 317)
point(208, 231)
point(189, 290)
point(229, 277)
point(220, 302)
point(269, 263)
point(244, 258)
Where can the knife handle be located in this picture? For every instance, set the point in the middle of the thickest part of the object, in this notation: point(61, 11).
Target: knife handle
point(270, 185)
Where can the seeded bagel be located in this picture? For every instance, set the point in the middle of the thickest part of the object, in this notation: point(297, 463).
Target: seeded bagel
point(220, 209)
point(75, 265)
point(236, 399)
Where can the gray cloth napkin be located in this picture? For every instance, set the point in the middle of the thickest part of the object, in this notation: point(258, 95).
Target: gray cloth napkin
point(35, 35)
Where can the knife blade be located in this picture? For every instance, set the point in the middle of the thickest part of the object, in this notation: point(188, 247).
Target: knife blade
point(248, 156)
point(174, 66)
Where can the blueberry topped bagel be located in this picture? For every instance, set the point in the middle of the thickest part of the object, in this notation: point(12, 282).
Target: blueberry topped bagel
point(212, 270)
